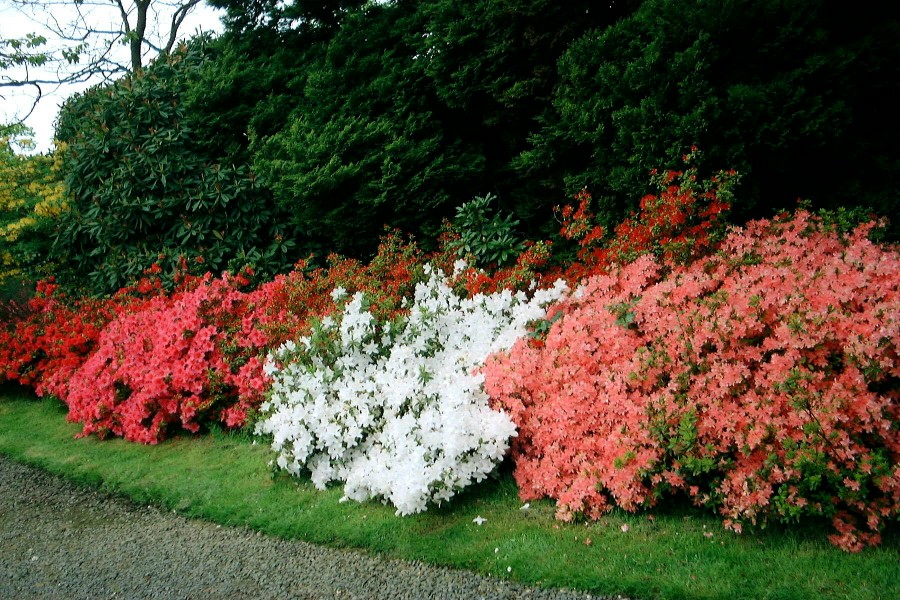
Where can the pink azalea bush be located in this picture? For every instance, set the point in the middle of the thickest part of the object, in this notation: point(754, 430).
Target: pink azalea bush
point(762, 381)
point(175, 361)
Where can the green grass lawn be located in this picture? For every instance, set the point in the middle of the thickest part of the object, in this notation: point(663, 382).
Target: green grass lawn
point(676, 552)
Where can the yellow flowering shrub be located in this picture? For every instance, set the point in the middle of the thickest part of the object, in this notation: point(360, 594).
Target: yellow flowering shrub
point(32, 195)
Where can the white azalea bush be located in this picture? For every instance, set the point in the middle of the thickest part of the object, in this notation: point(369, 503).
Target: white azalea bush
point(396, 411)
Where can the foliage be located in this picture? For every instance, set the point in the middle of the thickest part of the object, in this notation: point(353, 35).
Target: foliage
point(398, 110)
point(368, 144)
point(394, 113)
point(761, 381)
point(246, 88)
point(31, 198)
point(492, 64)
point(394, 409)
point(320, 16)
point(21, 52)
point(143, 190)
point(487, 239)
point(781, 91)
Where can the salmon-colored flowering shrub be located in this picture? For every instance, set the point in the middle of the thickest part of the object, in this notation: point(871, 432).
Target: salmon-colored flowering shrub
point(763, 381)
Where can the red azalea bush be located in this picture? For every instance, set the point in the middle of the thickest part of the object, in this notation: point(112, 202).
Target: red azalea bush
point(681, 222)
point(43, 344)
point(763, 381)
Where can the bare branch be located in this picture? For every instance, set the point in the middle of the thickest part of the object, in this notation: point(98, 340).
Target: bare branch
point(177, 19)
point(85, 40)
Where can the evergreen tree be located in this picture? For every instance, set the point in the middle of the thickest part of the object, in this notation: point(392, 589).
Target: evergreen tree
point(369, 144)
point(799, 96)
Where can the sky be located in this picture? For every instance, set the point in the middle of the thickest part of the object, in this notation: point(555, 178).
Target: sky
point(15, 102)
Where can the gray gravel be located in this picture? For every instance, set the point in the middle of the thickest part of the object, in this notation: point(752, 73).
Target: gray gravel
point(58, 540)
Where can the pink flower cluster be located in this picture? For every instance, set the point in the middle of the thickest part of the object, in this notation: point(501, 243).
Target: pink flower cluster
point(175, 361)
point(763, 381)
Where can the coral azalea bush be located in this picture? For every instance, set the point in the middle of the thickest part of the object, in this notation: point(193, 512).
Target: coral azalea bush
point(762, 381)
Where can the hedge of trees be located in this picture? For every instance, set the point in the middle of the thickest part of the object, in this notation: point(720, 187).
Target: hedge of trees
point(309, 126)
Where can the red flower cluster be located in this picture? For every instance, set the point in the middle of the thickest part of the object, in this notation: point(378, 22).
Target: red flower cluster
point(680, 223)
point(44, 344)
point(763, 380)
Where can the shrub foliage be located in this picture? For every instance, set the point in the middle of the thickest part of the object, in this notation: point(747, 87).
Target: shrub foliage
point(141, 188)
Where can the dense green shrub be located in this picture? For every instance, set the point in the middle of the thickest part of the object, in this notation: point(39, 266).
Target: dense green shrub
point(782, 91)
point(487, 238)
point(143, 188)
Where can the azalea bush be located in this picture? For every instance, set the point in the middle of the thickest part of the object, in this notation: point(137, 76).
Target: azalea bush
point(166, 364)
point(395, 408)
point(762, 381)
point(679, 222)
point(46, 339)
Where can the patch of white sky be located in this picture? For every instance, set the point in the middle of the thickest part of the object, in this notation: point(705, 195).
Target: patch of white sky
point(18, 103)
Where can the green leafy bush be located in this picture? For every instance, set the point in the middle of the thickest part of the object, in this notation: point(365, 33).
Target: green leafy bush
point(489, 239)
point(368, 144)
point(143, 190)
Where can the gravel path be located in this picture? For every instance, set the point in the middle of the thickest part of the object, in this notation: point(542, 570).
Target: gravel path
point(58, 540)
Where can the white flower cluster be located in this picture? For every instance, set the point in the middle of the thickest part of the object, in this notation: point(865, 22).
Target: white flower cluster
point(397, 411)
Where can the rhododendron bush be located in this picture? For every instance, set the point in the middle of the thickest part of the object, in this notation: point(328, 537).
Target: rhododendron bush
point(762, 381)
point(395, 409)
